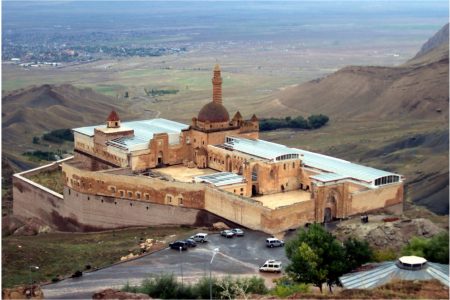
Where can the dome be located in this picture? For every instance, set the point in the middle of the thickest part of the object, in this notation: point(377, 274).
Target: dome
point(213, 112)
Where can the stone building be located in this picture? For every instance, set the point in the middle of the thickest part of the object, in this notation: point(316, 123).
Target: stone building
point(217, 165)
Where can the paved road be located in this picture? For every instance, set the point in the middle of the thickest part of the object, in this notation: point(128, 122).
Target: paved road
point(237, 256)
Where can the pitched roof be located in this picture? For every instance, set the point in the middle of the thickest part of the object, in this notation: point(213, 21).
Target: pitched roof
point(237, 116)
point(113, 116)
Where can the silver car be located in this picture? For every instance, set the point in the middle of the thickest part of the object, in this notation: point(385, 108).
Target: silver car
point(238, 231)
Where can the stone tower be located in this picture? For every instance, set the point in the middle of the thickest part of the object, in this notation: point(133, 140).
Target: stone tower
point(217, 85)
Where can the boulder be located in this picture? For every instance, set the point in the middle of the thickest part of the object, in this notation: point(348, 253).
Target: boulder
point(220, 226)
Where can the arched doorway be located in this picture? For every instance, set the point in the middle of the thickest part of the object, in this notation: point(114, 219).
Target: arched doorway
point(160, 159)
point(241, 170)
point(329, 213)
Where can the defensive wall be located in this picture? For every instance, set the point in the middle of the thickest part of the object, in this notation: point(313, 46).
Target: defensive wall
point(115, 198)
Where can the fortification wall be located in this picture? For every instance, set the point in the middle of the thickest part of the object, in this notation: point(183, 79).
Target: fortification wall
point(386, 196)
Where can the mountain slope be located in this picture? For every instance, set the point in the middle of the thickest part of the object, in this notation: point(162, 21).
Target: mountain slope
point(440, 38)
point(48, 107)
point(417, 89)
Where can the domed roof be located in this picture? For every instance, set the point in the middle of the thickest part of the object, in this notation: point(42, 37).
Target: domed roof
point(213, 112)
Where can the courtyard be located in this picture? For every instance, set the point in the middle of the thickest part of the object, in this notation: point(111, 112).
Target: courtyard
point(283, 199)
point(184, 174)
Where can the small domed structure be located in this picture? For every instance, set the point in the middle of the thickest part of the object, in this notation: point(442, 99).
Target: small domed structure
point(213, 112)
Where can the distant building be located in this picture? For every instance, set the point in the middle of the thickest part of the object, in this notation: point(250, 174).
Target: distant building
point(217, 164)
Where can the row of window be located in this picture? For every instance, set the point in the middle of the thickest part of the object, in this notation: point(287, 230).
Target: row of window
point(387, 180)
point(89, 198)
point(287, 156)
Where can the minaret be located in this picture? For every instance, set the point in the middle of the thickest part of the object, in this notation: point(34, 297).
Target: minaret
point(217, 85)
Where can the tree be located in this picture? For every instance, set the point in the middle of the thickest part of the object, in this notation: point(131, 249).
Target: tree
point(316, 257)
point(356, 253)
point(317, 121)
point(35, 140)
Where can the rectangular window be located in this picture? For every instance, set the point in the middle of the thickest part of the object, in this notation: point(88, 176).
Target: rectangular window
point(122, 193)
point(130, 194)
point(138, 195)
point(147, 196)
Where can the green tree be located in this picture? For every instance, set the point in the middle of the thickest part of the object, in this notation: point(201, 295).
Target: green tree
point(356, 253)
point(316, 257)
point(35, 140)
point(317, 121)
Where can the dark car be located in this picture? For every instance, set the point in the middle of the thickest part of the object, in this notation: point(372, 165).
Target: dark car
point(179, 244)
point(191, 243)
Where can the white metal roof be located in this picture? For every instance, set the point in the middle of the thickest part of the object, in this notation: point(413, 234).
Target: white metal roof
point(220, 179)
point(387, 271)
point(143, 132)
point(335, 168)
point(259, 148)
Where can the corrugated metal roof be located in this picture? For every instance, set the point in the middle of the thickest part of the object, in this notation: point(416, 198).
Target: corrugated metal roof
point(387, 271)
point(143, 132)
point(221, 178)
point(341, 168)
point(327, 177)
point(259, 148)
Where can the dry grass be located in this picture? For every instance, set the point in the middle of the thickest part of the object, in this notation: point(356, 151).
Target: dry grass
point(50, 179)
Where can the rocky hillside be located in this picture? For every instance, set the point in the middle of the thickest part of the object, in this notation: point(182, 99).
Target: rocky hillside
point(440, 38)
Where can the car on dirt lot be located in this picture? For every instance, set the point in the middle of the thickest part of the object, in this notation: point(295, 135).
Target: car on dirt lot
point(274, 242)
point(227, 233)
point(237, 232)
point(178, 244)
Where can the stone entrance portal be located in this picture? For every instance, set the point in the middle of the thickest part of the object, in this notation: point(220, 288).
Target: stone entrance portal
point(327, 216)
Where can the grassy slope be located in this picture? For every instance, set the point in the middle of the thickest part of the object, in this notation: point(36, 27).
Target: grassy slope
point(61, 254)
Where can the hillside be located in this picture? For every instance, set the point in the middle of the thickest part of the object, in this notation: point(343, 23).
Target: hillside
point(34, 110)
point(416, 89)
point(408, 103)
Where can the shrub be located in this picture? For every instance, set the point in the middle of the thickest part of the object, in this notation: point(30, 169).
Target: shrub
point(285, 287)
point(59, 136)
point(384, 255)
point(434, 249)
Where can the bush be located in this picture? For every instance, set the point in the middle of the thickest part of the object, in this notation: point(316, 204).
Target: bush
point(434, 249)
point(313, 122)
point(167, 287)
point(384, 255)
point(59, 136)
point(285, 287)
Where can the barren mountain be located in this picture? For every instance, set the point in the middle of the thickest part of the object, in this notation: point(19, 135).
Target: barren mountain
point(416, 89)
point(38, 109)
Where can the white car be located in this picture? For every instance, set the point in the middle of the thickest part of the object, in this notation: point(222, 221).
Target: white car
point(271, 266)
point(200, 237)
point(274, 242)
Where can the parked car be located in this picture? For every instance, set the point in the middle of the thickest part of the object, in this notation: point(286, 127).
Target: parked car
point(227, 233)
point(271, 266)
point(200, 237)
point(274, 242)
point(177, 244)
point(238, 232)
point(191, 243)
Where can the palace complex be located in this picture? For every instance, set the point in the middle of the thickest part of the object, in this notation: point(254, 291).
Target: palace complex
point(160, 171)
